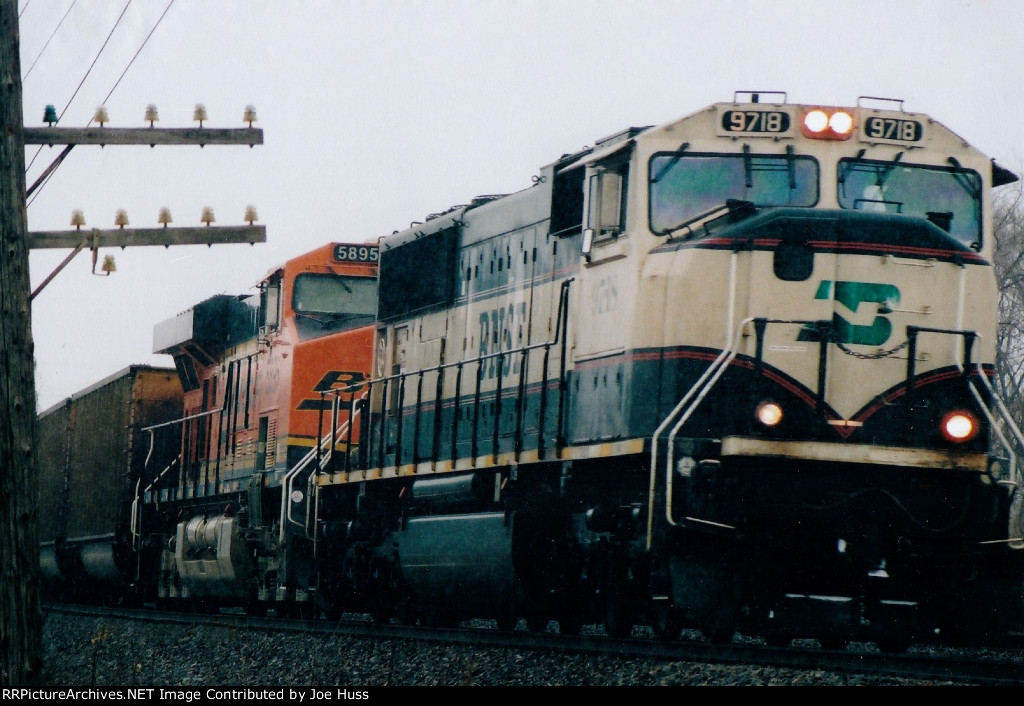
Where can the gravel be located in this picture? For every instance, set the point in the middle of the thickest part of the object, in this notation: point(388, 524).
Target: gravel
point(87, 651)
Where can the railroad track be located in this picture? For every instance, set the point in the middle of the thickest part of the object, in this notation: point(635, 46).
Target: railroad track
point(999, 666)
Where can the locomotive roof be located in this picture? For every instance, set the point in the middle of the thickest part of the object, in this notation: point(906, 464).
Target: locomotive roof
point(624, 139)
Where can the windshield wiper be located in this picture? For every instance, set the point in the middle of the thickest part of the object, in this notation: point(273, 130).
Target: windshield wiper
point(671, 163)
point(845, 166)
point(886, 170)
point(961, 179)
point(735, 210)
point(315, 318)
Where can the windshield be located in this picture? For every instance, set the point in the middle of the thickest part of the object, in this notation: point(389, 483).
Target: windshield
point(332, 296)
point(950, 196)
point(686, 185)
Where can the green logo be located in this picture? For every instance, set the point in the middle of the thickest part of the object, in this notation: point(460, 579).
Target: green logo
point(851, 295)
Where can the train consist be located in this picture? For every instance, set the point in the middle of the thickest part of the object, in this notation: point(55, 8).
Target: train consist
point(731, 372)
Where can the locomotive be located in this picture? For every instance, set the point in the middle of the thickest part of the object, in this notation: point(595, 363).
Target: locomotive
point(753, 396)
point(209, 507)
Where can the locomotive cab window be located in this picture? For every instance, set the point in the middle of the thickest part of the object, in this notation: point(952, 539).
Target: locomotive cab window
point(606, 204)
point(949, 196)
point(331, 301)
point(270, 305)
point(687, 186)
point(186, 368)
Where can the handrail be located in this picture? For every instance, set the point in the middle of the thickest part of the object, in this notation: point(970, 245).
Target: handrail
point(399, 380)
point(1004, 414)
point(152, 436)
point(717, 367)
point(994, 410)
point(136, 518)
point(1004, 442)
point(323, 449)
point(181, 420)
point(559, 334)
point(1006, 418)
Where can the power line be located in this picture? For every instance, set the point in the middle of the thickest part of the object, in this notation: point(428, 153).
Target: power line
point(139, 51)
point(48, 40)
point(93, 64)
point(88, 71)
point(37, 186)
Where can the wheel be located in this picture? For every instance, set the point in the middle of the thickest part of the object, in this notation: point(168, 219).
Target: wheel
point(536, 623)
point(667, 621)
point(618, 617)
point(306, 611)
point(831, 642)
point(570, 622)
point(893, 646)
point(778, 639)
point(406, 610)
point(204, 606)
point(720, 635)
point(507, 623)
point(569, 626)
point(256, 609)
point(507, 620)
point(570, 618)
point(440, 615)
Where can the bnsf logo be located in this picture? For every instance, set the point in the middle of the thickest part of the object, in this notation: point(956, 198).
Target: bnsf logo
point(852, 295)
point(332, 380)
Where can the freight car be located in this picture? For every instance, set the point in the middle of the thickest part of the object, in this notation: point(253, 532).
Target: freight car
point(92, 452)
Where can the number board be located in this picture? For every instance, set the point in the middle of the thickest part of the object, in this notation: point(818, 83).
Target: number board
point(900, 130)
point(356, 253)
point(756, 122)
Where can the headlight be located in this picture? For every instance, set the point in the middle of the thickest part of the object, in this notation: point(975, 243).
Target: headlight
point(827, 124)
point(769, 413)
point(841, 122)
point(958, 426)
point(816, 121)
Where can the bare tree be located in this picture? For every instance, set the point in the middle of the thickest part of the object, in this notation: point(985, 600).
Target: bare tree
point(1008, 260)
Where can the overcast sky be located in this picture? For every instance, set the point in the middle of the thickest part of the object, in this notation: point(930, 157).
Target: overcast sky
point(376, 114)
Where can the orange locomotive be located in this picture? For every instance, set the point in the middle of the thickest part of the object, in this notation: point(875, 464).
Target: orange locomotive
point(255, 370)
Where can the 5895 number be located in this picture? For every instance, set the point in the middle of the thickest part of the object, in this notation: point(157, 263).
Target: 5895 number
point(356, 253)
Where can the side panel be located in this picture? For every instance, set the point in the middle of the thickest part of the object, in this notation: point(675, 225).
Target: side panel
point(108, 450)
point(53, 456)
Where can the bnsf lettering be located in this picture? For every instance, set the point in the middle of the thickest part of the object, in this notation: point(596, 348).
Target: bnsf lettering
point(332, 380)
point(496, 335)
point(605, 297)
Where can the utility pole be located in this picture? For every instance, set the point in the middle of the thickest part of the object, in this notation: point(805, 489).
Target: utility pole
point(20, 606)
point(21, 616)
